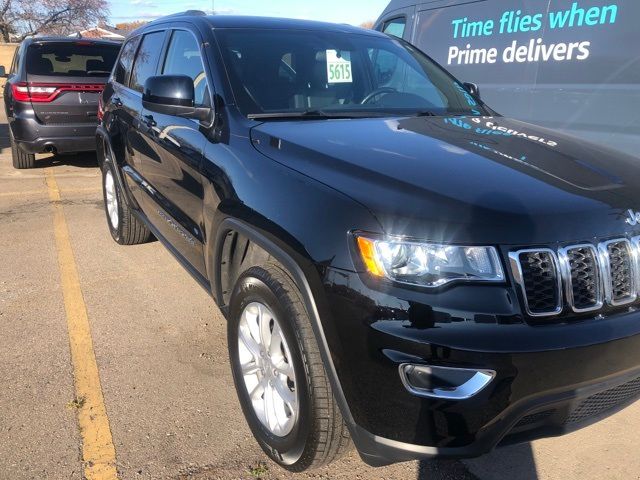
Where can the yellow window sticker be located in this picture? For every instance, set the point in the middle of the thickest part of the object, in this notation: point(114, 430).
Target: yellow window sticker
point(339, 67)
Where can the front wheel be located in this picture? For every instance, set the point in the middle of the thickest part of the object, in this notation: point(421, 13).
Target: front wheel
point(125, 227)
point(280, 379)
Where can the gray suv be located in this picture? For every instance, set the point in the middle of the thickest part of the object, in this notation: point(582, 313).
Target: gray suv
point(51, 95)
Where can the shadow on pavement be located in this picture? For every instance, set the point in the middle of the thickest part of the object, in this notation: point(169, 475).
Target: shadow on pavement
point(4, 137)
point(507, 463)
point(81, 160)
point(443, 470)
point(515, 462)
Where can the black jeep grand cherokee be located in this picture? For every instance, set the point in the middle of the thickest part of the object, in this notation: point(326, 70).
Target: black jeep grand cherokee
point(400, 266)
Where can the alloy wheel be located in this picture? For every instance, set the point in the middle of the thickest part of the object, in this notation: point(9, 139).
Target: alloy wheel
point(111, 199)
point(267, 369)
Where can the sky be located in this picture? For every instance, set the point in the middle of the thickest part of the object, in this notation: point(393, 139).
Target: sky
point(340, 11)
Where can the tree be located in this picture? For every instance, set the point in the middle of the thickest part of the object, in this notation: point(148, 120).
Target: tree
point(20, 18)
point(368, 24)
point(131, 26)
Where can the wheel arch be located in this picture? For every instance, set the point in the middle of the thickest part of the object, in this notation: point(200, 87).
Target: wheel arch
point(104, 144)
point(258, 249)
point(101, 146)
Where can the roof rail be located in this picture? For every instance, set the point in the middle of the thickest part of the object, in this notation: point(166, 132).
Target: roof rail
point(198, 13)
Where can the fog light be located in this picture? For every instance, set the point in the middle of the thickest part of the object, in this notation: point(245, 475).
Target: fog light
point(444, 383)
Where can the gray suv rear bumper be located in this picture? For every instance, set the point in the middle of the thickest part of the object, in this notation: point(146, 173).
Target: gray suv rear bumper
point(35, 137)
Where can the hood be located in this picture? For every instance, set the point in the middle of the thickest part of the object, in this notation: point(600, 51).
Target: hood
point(461, 179)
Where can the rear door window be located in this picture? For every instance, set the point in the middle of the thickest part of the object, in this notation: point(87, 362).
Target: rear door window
point(71, 59)
point(14, 62)
point(125, 61)
point(395, 27)
point(183, 58)
point(146, 63)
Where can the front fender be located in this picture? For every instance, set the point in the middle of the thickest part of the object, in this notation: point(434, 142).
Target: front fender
point(106, 153)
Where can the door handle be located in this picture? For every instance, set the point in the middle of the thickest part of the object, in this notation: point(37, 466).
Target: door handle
point(149, 121)
point(116, 101)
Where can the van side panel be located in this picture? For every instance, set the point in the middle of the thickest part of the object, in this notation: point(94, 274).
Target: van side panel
point(565, 65)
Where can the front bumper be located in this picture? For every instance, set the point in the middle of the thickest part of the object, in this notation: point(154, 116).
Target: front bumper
point(35, 137)
point(551, 379)
point(543, 416)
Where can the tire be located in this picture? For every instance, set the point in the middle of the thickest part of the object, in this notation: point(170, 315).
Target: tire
point(318, 435)
point(21, 159)
point(125, 227)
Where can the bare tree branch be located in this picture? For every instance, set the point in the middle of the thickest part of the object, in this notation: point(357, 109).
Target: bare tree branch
point(20, 18)
point(5, 8)
point(50, 20)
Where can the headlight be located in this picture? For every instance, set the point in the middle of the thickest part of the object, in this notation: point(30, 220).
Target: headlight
point(429, 264)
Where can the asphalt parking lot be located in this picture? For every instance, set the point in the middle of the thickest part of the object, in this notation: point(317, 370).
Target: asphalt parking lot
point(165, 399)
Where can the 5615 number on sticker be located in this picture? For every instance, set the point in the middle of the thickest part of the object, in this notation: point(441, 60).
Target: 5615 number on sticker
point(339, 67)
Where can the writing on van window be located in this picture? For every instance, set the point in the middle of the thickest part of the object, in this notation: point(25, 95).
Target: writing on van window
point(513, 22)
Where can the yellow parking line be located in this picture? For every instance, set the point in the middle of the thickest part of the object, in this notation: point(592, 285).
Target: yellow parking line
point(98, 452)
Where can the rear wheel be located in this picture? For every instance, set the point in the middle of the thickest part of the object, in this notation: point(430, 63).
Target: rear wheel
point(21, 159)
point(125, 227)
point(281, 382)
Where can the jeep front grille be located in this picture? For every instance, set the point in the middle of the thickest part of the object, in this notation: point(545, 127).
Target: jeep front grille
point(581, 277)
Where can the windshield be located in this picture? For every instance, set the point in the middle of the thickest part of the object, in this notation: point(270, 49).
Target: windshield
point(324, 72)
point(71, 59)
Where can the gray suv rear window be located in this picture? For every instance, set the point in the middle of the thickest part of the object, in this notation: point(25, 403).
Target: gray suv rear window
point(77, 59)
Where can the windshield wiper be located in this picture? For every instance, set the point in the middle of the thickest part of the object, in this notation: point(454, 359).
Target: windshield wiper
point(306, 114)
point(309, 115)
point(425, 113)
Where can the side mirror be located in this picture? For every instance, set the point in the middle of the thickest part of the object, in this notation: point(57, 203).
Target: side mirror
point(3, 72)
point(473, 89)
point(173, 95)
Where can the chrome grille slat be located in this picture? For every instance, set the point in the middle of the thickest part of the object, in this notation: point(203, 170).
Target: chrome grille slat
point(619, 263)
point(582, 277)
point(538, 275)
point(584, 289)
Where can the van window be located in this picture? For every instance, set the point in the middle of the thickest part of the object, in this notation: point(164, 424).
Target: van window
point(71, 59)
point(146, 62)
point(183, 58)
point(395, 27)
point(123, 67)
